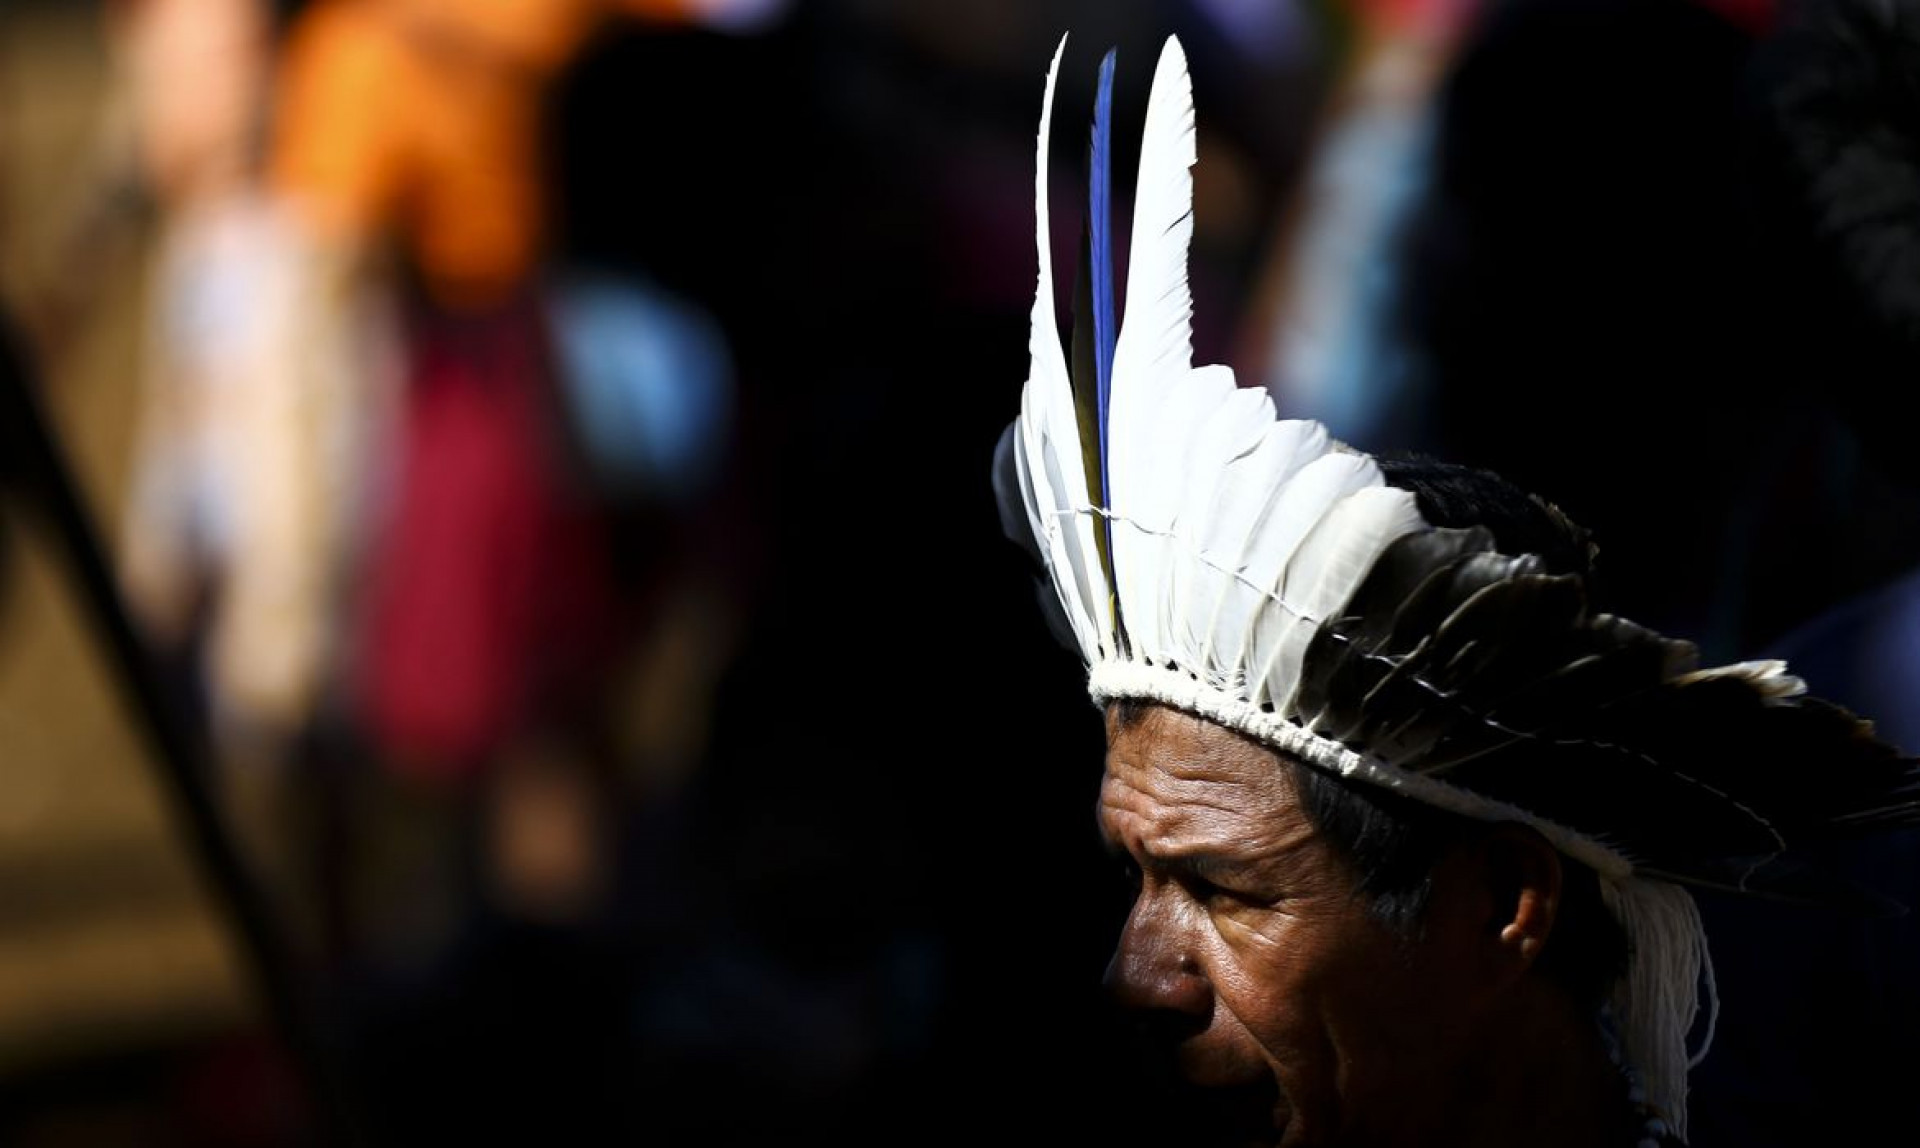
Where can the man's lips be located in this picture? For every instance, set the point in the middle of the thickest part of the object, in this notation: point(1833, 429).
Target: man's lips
point(1220, 1094)
point(1211, 1066)
point(1224, 1099)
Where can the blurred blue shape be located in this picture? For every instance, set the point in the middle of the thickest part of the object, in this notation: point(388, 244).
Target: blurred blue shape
point(1340, 359)
point(1261, 29)
point(1865, 655)
point(649, 383)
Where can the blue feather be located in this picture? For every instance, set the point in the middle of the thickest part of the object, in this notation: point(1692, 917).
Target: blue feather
point(1105, 334)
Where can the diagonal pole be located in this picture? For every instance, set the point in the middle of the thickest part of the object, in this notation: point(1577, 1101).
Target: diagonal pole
point(30, 456)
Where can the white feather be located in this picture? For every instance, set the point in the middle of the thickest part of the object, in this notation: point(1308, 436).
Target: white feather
point(1302, 502)
point(1231, 589)
point(1050, 510)
point(1326, 570)
point(1075, 545)
point(1176, 460)
point(1155, 346)
point(1049, 360)
point(1239, 534)
point(1052, 474)
point(1222, 452)
point(1769, 676)
point(1156, 341)
point(1044, 509)
point(1032, 497)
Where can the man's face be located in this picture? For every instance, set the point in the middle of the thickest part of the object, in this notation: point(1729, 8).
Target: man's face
point(1305, 1020)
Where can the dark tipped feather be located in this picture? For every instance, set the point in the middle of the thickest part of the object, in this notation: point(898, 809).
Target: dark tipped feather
point(1106, 330)
point(1086, 405)
point(1453, 660)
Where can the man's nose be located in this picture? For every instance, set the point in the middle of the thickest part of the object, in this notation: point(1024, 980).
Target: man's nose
point(1155, 969)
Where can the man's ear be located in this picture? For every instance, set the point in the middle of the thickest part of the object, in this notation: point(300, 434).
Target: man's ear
point(1523, 875)
point(1496, 898)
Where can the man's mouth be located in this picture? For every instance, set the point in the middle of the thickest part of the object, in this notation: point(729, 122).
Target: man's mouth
point(1246, 1111)
point(1205, 1094)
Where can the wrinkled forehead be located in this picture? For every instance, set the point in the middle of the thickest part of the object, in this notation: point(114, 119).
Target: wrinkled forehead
point(1187, 747)
point(1175, 781)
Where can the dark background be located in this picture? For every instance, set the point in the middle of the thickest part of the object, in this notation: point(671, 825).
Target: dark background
point(878, 910)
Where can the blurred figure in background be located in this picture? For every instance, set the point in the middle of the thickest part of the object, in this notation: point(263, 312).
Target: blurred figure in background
point(523, 564)
point(198, 76)
point(1590, 221)
point(486, 617)
point(1508, 207)
point(1320, 328)
point(409, 513)
point(233, 547)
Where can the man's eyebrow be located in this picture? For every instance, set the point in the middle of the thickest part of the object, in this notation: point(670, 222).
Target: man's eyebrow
point(1204, 864)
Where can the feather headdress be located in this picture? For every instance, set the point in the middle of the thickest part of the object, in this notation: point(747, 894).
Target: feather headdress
point(1253, 571)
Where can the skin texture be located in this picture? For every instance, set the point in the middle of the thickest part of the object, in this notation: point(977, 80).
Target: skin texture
point(1249, 956)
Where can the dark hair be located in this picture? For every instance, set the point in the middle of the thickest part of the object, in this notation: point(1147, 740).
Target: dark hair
point(1392, 843)
point(1450, 495)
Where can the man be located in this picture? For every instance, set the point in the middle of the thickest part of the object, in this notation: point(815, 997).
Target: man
point(1412, 824)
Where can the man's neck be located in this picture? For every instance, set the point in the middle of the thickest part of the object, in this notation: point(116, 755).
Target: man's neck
point(1538, 1075)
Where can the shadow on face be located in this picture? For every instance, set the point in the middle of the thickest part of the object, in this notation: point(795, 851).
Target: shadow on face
point(1253, 963)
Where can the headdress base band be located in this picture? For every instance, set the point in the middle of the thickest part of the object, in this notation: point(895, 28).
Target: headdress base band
point(1112, 679)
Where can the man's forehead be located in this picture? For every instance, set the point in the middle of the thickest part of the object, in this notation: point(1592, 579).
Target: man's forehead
point(1184, 748)
point(1174, 782)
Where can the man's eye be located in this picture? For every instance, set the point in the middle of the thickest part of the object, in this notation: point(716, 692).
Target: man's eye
point(1202, 890)
point(1208, 893)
